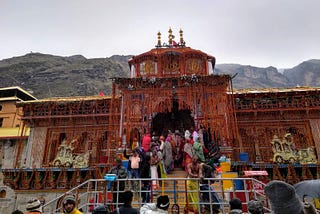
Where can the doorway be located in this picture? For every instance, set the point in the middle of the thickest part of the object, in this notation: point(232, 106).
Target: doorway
point(176, 120)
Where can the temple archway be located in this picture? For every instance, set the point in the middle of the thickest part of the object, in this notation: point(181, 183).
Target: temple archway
point(172, 120)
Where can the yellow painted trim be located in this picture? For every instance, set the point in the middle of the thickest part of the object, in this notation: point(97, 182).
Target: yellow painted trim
point(14, 132)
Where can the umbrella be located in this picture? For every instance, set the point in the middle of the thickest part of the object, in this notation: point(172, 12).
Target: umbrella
point(309, 189)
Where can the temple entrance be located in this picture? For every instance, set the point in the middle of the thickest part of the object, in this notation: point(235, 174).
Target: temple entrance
point(176, 120)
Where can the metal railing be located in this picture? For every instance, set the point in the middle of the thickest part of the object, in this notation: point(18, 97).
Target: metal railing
point(96, 192)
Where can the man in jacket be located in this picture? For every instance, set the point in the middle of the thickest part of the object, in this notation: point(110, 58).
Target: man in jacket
point(121, 173)
point(127, 208)
point(161, 206)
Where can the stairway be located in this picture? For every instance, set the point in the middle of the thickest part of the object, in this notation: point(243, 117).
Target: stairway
point(180, 197)
point(176, 188)
point(173, 186)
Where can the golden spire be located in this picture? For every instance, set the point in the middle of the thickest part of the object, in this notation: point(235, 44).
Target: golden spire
point(159, 39)
point(170, 36)
point(181, 37)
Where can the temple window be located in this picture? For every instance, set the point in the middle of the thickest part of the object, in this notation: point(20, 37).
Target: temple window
point(148, 68)
point(171, 63)
point(194, 66)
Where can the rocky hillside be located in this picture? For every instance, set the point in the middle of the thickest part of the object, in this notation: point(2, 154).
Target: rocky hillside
point(254, 77)
point(54, 76)
point(306, 73)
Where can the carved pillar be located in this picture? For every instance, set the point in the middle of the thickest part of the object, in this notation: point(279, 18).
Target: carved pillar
point(49, 178)
point(89, 175)
point(315, 129)
point(26, 178)
point(309, 174)
point(16, 179)
point(276, 173)
point(291, 177)
point(62, 181)
point(257, 150)
point(38, 177)
point(303, 172)
point(75, 181)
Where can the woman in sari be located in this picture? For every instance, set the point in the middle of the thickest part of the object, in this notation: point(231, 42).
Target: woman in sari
point(160, 166)
point(187, 154)
point(154, 172)
point(198, 150)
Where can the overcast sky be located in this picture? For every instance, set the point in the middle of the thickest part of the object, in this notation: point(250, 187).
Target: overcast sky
point(280, 33)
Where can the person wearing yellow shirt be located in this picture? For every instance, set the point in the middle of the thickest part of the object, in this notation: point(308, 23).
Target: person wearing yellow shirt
point(69, 205)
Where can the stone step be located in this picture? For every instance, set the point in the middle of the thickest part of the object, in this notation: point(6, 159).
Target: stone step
point(180, 196)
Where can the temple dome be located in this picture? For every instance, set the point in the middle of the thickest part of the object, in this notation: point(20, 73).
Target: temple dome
point(172, 60)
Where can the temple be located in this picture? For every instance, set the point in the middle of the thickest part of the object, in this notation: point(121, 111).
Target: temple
point(171, 87)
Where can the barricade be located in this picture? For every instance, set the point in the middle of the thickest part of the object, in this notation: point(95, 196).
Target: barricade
point(95, 192)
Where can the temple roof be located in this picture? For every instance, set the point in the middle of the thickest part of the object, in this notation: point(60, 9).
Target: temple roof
point(65, 100)
point(163, 50)
point(275, 90)
point(172, 59)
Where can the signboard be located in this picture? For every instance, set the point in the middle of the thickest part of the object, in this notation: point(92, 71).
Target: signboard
point(255, 173)
point(256, 186)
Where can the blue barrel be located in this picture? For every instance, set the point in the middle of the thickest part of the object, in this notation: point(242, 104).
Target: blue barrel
point(243, 156)
point(238, 184)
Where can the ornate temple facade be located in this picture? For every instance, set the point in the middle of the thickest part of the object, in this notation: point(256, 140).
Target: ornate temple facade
point(172, 87)
point(279, 129)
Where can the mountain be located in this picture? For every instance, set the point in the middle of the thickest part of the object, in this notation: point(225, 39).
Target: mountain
point(47, 75)
point(306, 73)
point(246, 76)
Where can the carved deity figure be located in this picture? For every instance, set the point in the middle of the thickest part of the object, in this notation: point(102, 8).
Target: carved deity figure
point(66, 158)
point(284, 151)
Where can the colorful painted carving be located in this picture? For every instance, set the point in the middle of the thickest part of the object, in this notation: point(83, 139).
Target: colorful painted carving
point(284, 151)
point(307, 156)
point(66, 158)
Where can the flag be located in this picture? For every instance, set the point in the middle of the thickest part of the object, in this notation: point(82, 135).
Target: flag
point(174, 43)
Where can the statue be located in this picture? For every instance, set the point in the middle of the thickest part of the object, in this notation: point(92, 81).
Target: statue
point(66, 158)
point(284, 151)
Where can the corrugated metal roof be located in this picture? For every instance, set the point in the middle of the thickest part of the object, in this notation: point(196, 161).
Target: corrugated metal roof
point(68, 99)
point(274, 90)
point(14, 98)
point(26, 93)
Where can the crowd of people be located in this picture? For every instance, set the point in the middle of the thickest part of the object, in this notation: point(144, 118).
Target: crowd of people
point(191, 151)
point(155, 157)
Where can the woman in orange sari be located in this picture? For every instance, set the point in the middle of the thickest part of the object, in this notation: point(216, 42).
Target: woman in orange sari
point(187, 154)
